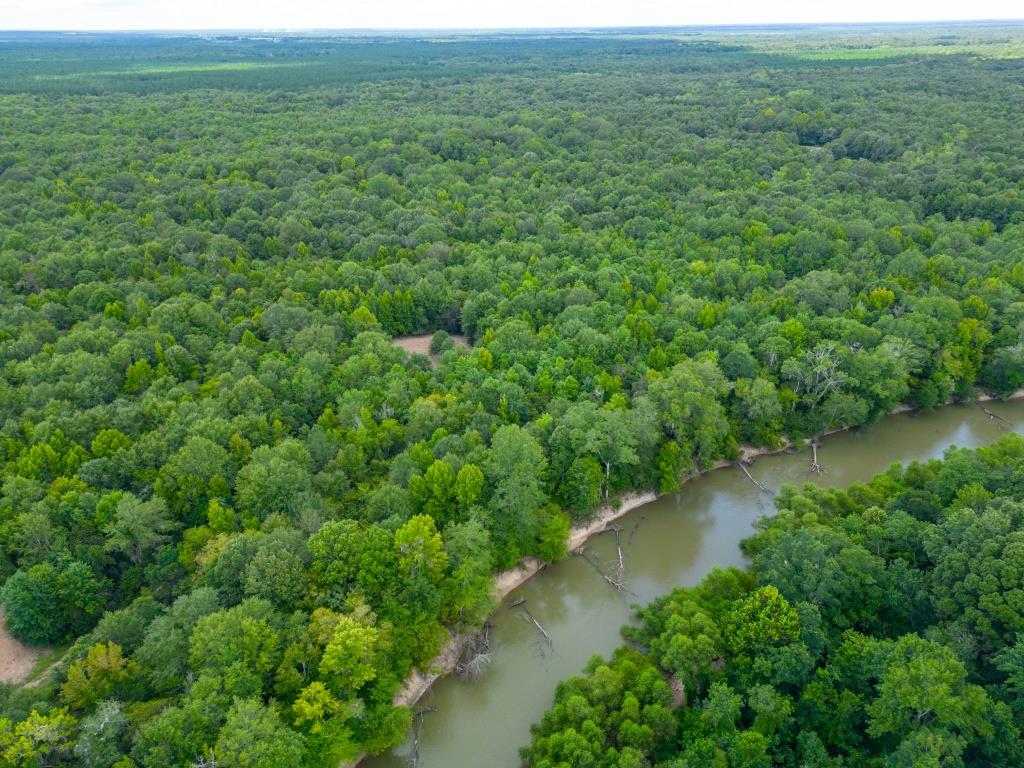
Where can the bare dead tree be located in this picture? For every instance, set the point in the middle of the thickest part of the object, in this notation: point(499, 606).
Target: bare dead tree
point(476, 666)
point(477, 655)
point(815, 465)
point(816, 373)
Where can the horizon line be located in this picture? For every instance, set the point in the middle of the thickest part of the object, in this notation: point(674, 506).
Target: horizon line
point(520, 29)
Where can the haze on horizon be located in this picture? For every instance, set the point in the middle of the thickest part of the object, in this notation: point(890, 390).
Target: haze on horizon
point(455, 14)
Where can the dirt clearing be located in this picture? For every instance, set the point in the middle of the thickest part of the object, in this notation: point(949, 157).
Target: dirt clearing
point(16, 660)
point(421, 344)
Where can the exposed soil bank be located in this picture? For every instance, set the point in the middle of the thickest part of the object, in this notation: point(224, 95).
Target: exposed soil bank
point(419, 682)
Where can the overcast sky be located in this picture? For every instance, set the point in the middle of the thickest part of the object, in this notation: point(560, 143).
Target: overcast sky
point(418, 14)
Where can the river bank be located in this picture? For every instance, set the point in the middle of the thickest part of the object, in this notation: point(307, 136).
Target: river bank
point(419, 682)
point(506, 582)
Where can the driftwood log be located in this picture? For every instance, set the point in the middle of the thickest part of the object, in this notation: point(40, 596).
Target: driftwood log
point(760, 486)
point(996, 417)
point(527, 616)
point(417, 719)
point(620, 573)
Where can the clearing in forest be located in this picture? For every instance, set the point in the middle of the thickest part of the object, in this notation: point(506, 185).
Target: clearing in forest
point(420, 344)
point(16, 659)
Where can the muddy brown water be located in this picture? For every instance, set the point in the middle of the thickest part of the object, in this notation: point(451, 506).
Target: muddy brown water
point(672, 541)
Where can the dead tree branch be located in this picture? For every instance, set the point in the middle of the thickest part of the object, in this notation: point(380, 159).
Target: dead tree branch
point(414, 754)
point(477, 655)
point(620, 574)
point(760, 486)
point(996, 417)
point(815, 466)
point(527, 616)
point(615, 584)
point(632, 532)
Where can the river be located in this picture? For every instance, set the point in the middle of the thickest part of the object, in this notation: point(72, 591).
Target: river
point(672, 541)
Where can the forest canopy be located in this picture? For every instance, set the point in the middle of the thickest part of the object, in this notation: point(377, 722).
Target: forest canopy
point(242, 515)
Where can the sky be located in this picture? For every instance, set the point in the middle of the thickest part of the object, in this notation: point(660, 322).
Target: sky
point(478, 14)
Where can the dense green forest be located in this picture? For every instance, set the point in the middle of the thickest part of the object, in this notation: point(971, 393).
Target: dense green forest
point(879, 626)
point(248, 515)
